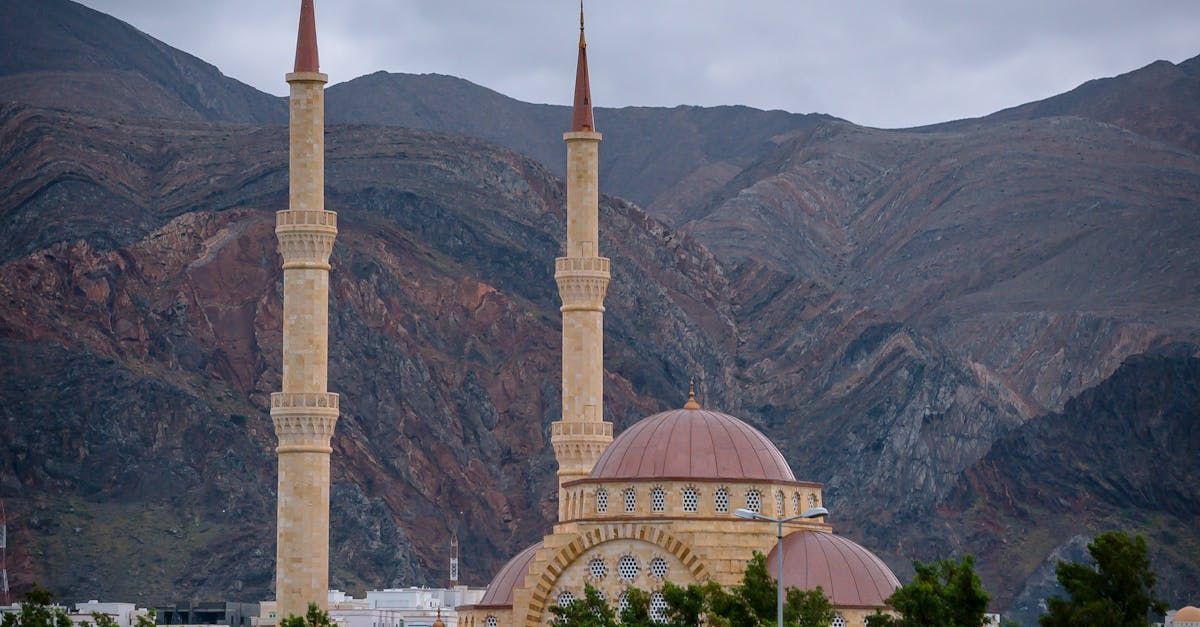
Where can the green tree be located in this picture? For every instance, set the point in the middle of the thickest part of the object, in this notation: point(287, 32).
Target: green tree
point(808, 608)
point(37, 611)
point(145, 620)
point(102, 620)
point(1116, 592)
point(315, 617)
point(590, 611)
point(637, 609)
point(942, 594)
point(685, 606)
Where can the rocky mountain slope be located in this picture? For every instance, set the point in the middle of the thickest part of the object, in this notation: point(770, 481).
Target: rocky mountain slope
point(1131, 466)
point(889, 306)
point(62, 55)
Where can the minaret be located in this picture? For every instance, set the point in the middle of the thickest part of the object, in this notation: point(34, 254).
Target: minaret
point(582, 276)
point(304, 412)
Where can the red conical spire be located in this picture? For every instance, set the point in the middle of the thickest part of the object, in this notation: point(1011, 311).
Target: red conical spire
point(582, 119)
point(306, 40)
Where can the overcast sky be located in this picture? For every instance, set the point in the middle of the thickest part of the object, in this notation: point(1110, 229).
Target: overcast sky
point(878, 62)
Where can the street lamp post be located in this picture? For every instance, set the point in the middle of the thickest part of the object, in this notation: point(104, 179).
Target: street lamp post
point(812, 512)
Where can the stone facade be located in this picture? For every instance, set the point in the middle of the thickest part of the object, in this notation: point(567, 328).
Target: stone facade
point(304, 412)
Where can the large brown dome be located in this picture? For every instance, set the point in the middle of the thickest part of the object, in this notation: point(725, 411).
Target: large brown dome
point(692, 444)
point(850, 575)
point(500, 591)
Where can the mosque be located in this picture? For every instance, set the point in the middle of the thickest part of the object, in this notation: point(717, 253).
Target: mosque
point(655, 504)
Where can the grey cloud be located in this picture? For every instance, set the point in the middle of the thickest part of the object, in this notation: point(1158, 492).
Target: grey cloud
point(883, 63)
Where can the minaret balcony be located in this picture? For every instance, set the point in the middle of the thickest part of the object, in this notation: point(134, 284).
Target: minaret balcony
point(582, 266)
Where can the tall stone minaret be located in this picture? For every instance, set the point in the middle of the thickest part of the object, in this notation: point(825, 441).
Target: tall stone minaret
point(582, 276)
point(304, 412)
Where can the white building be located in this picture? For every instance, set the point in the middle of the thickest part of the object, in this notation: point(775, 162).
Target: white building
point(125, 614)
point(394, 607)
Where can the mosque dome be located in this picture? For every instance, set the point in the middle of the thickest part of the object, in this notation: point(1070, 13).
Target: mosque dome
point(850, 575)
point(1188, 614)
point(500, 591)
point(692, 443)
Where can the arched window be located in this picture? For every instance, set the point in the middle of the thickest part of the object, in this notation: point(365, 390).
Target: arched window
point(779, 511)
point(796, 503)
point(838, 621)
point(658, 607)
point(658, 499)
point(658, 568)
point(812, 500)
point(491, 621)
point(721, 500)
point(691, 500)
point(627, 568)
point(565, 598)
point(601, 500)
point(754, 501)
point(597, 568)
point(630, 500)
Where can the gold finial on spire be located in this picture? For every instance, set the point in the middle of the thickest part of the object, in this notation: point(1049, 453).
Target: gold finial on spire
point(691, 402)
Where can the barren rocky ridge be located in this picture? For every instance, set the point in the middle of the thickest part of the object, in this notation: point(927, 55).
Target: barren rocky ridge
point(903, 311)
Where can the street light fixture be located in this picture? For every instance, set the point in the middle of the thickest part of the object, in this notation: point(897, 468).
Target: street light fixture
point(748, 514)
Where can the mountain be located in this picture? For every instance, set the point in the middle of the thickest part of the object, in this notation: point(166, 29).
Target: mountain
point(1132, 467)
point(662, 159)
point(891, 307)
point(62, 55)
point(1159, 101)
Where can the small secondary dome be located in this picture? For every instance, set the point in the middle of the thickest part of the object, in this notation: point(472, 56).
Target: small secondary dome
point(850, 575)
point(500, 591)
point(1188, 614)
point(692, 443)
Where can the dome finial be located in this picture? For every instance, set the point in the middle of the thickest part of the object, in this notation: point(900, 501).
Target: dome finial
point(691, 402)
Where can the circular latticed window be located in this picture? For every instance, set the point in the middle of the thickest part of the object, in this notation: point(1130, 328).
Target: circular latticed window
point(630, 500)
point(627, 568)
point(491, 621)
point(754, 501)
point(796, 503)
point(691, 501)
point(721, 500)
point(838, 621)
point(779, 511)
point(602, 500)
point(658, 567)
point(658, 608)
point(658, 500)
point(597, 568)
point(565, 598)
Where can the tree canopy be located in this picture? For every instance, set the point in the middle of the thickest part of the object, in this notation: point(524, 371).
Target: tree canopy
point(942, 594)
point(748, 604)
point(37, 610)
point(1116, 591)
